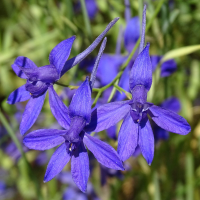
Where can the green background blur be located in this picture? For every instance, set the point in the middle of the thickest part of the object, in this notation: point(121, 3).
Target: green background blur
point(31, 28)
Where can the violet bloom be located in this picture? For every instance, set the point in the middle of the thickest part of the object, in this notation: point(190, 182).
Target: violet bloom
point(39, 80)
point(91, 7)
point(136, 128)
point(132, 33)
point(74, 139)
point(172, 104)
point(167, 68)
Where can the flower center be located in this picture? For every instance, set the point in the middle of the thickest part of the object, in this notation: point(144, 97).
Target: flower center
point(139, 111)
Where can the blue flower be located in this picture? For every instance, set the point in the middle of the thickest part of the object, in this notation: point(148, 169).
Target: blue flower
point(136, 129)
point(167, 68)
point(91, 7)
point(132, 33)
point(74, 138)
point(172, 104)
point(39, 80)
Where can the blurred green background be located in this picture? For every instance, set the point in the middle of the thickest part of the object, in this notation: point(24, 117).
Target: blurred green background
point(31, 28)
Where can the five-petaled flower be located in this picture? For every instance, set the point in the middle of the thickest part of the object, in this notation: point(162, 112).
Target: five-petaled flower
point(39, 80)
point(136, 128)
point(74, 138)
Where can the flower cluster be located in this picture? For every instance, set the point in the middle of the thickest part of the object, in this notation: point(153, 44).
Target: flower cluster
point(78, 120)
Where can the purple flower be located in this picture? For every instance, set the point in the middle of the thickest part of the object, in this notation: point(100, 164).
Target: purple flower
point(74, 139)
point(132, 33)
point(39, 80)
point(172, 104)
point(167, 68)
point(136, 128)
point(91, 7)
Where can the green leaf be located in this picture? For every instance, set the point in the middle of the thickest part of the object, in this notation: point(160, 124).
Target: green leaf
point(180, 52)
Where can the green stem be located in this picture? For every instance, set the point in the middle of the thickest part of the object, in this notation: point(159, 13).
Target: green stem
point(61, 84)
point(19, 146)
point(86, 18)
point(121, 89)
point(12, 135)
point(72, 87)
point(131, 54)
point(100, 90)
point(97, 97)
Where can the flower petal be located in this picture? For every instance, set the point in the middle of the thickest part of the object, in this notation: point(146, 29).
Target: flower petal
point(59, 109)
point(47, 73)
point(60, 53)
point(58, 161)
point(169, 120)
point(91, 7)
point(44, 139)
point(108, 67)
point(128, 138)
point(22, 62)
point(31, 113)
point(112, 131)
point(154, 61)
point(77, 59)
point(146, 140)
point(159, 133)
point(36, 88)
point(141, 72)
point(168, 67)
point(20, 94)
point(108, 115)
point(172, 104)
point(80, 167)
point(103, 152)
point(81, 102)
point(132, 33)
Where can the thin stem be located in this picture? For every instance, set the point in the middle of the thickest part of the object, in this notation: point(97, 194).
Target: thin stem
point(61, 84)
point(131, 54)
point(119, 41)
point(125, 64)
point(19, 146)
point(86, 18)
point(72, 87)
point(12, 135)
point(128, 94)
point(97, 97)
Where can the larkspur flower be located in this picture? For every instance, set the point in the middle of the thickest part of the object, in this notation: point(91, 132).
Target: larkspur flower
point(91, 7)
point(167, 68)
point(136, 129)
point(40, 79)
point(172, 104)
point(74, 139)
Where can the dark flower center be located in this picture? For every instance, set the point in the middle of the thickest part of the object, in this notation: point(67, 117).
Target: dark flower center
point(139, 111)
